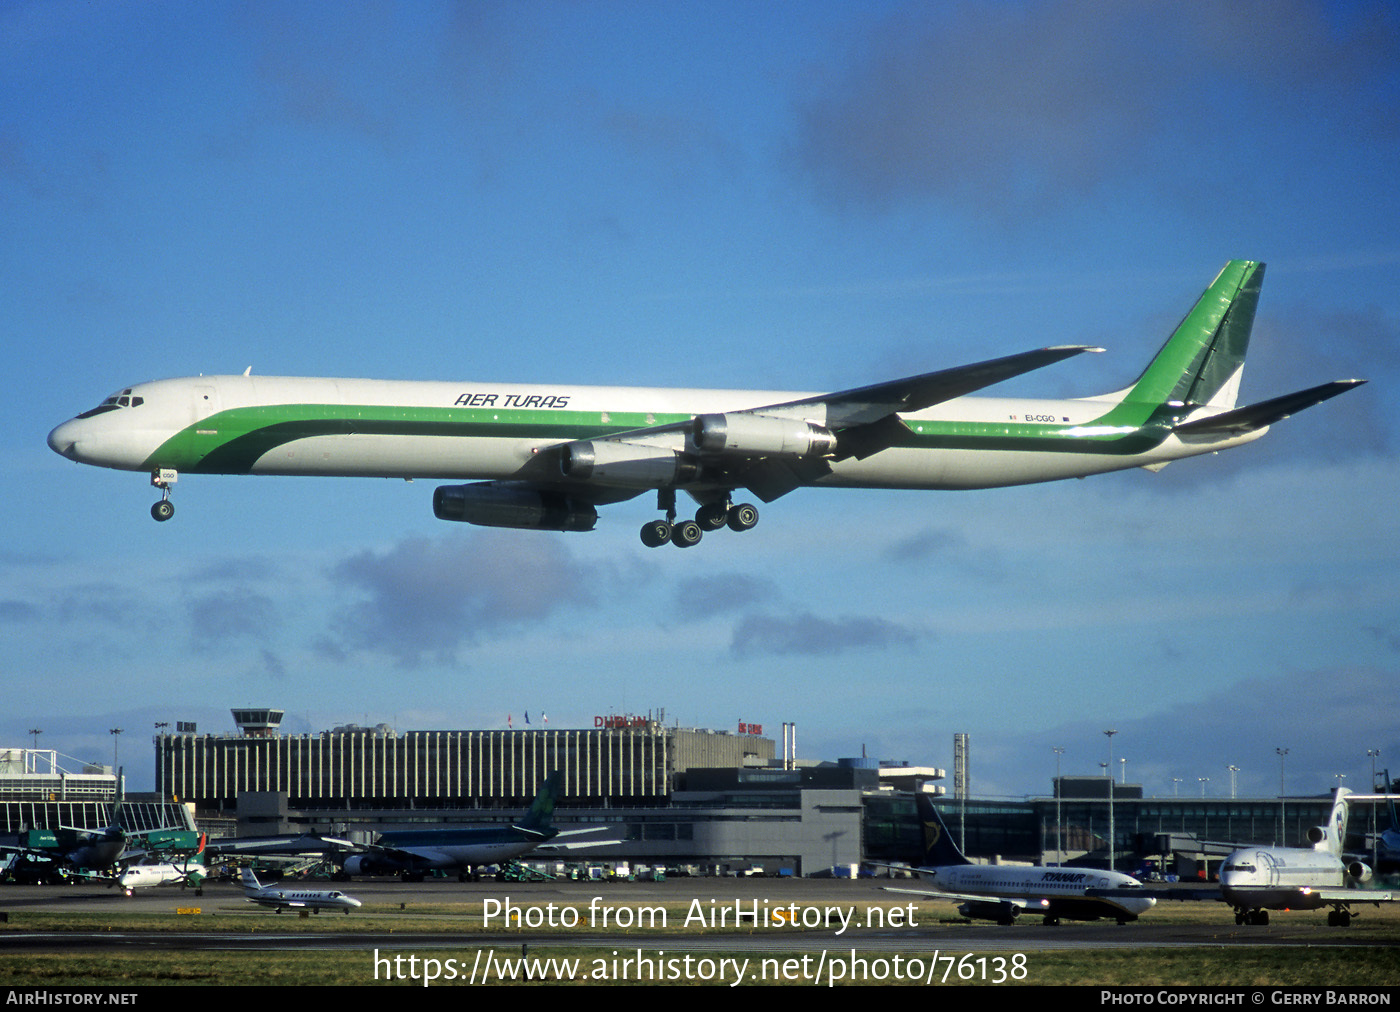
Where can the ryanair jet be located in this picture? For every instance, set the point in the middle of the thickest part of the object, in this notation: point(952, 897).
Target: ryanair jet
point(1002, 893)
point(546, 457)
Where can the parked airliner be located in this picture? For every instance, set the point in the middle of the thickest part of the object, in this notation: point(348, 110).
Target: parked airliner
point(546, 456)
point(140, 876)
point(410, 853)
point(1002, 892)
point(1255, 880)
point(187, 871)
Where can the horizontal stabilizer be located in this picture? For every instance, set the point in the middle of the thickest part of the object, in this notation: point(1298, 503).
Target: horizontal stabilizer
point(554, 845)
point(1265, 413)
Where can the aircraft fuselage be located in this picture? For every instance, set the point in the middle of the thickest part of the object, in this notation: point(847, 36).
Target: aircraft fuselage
point(381, 428)
point(1057, 892)
point(1281, 878)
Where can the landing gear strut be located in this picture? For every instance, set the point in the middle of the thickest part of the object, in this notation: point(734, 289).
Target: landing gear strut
point(711, 516)
point(163, 479)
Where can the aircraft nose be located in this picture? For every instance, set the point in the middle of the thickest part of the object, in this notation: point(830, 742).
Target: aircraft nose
point(64, 438)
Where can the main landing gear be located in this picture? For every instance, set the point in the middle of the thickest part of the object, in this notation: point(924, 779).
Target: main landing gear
point(163, 479)
point(709, 517)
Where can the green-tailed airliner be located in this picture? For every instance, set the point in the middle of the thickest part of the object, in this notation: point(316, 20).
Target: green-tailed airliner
point(546, 456)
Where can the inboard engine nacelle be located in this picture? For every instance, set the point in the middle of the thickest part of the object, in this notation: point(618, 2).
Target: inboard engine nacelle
point(632, 465)
point(761, 436)
point(502, 504)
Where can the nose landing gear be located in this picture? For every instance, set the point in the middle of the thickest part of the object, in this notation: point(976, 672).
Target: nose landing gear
point(163, 479)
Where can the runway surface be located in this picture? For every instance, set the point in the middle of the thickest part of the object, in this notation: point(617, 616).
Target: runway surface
point(748, 915)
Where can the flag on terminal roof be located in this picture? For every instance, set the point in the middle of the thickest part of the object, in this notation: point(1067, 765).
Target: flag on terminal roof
point(508, 721)
point(527, 716)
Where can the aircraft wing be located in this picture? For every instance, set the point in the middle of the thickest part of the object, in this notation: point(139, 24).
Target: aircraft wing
point(1182, 892)
point(589, 831)
point(1354, 895)
point(868, 404)
point(847, 409)
point(1326, 895)
point(864, 420)
point(1023, 902)
point(298, 844)
point(411, 854)
point(574, 839)
point(556, 845)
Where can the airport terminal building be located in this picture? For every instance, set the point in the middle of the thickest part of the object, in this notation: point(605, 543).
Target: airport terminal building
point(717, 801)
point(623, 760)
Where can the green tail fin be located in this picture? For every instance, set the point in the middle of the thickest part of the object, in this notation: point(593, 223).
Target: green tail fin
point(541, 811)
point(1201, 361)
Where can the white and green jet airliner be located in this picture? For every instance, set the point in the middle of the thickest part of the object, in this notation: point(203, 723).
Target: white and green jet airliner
point(546, 457)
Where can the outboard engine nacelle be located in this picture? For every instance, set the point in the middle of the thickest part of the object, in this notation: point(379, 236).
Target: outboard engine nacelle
point(503, 504)
point(761, 436)
point(1359, 871)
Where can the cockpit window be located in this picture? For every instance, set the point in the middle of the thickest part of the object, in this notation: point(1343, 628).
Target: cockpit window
point(121, 400)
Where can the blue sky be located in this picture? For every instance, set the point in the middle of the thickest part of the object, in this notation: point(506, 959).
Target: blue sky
point(788, 196)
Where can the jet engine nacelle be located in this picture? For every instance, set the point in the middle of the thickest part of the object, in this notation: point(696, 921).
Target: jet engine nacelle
point(369, 864)
point(501, 504)
point(762, 436)
point(631, 465)
point(1359, 871)
point(1002, 913)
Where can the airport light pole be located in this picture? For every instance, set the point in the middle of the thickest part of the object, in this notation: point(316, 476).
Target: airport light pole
point(1374, 753)
point(1059, 837)
point(115, 733)
point(1233, 770)
point(1282, 817)
point(1111, 839)
point(1204, 781)
point(33, 764)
